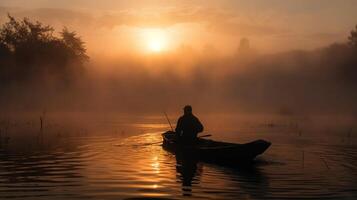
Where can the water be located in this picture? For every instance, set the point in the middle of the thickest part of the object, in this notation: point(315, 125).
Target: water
point(112, 166)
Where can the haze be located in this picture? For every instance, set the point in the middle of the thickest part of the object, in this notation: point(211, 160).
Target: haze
point(92, 90)
point(271, 26)
point(220, 56)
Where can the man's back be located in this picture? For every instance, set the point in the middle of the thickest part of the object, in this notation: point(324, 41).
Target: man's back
point(188, 126)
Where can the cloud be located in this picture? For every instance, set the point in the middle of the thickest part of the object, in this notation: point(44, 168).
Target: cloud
point(269, 30)
point(161, 17)
point(50, 15)
point(215, 20)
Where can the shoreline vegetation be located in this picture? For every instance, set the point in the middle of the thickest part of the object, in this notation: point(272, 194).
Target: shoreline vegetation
point(30, 51)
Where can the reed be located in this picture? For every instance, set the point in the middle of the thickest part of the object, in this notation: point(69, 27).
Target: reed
point(299, 132)
point(4, 138)
point(325, 163)
point(40, 134)
point(41, 123)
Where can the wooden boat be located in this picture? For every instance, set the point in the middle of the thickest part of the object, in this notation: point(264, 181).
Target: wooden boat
point(215, 151)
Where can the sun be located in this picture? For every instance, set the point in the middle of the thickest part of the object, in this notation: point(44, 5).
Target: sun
point(155, 45)
point(156, 40)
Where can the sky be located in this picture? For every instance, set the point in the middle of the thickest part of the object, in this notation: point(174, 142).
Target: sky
point(169, 53)
point(152, 25)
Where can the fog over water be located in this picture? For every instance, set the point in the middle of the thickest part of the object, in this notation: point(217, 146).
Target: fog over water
point(87, 91)
point(313, 82)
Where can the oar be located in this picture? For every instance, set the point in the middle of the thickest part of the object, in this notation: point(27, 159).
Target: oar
point(208, 135)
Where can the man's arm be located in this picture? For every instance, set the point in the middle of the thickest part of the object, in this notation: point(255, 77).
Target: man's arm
point(199, 126)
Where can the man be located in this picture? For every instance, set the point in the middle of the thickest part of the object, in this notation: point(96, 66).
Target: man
point(188, 126)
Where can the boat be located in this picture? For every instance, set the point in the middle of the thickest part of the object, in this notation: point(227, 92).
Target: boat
point(215, 151)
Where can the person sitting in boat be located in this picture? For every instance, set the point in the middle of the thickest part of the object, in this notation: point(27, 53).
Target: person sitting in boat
point(188, 126)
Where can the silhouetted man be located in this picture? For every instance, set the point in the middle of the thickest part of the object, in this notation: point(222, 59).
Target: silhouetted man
point(188, 126)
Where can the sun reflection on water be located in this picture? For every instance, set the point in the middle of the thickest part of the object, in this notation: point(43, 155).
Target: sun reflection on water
point(155, 165)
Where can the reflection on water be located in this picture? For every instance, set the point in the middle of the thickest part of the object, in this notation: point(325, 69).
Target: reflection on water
point(114, 167)
point(188, 172)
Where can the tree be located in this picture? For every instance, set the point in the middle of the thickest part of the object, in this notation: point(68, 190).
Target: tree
point(353, 37)
point(30, 50)
point(244, 45)
point(75, 44)
point(15, 33)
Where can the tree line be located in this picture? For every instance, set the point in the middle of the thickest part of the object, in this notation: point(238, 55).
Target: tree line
point(31, 50)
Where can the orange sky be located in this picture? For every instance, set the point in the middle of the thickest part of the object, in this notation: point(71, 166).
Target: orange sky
point(112, 26)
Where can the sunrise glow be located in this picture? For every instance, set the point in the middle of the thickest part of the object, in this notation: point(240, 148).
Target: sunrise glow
point(175, 99)
point(156, 40)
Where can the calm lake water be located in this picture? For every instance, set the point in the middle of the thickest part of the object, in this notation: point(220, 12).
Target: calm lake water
point(122, 165)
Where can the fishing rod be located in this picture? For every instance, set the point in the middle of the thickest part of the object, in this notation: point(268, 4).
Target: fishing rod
point(168, 120)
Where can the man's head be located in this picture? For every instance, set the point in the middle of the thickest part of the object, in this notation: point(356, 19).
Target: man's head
point(187, 109)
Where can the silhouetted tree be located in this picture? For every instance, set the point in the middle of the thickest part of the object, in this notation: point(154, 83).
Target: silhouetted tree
point(30, 50)
point(75, 45)
point(244, 45)
point(353, 37)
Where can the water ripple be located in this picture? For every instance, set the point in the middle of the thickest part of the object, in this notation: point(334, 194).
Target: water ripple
point(137, 167)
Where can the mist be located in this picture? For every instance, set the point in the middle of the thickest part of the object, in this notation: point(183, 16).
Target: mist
point(321, 81)
point(241, 77)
